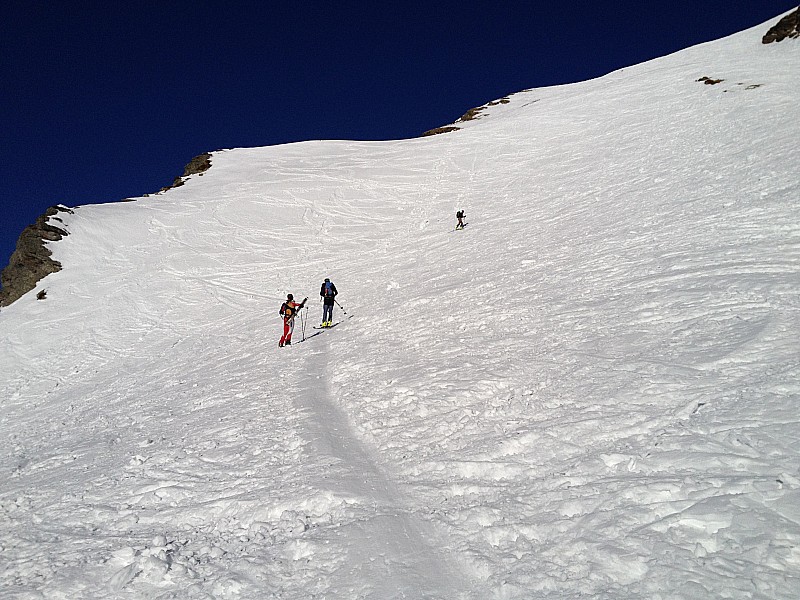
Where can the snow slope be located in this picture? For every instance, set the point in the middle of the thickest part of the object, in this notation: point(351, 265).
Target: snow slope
point(591, 391)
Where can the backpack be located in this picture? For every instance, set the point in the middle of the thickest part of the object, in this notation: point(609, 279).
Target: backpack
point(460, 214)
point(328, 290)
point(286, 311)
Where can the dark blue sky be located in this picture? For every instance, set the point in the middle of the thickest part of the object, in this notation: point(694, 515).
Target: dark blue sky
point(103, 100)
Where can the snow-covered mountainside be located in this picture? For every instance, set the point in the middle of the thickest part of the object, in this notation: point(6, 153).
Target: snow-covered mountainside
point(591, 391)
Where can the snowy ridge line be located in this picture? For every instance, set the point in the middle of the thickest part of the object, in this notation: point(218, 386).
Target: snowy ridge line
point(591, 391)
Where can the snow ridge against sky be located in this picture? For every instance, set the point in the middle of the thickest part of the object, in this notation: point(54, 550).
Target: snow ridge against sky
point(591, 391)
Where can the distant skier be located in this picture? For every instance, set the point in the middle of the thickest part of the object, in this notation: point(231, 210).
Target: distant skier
point(460, 215)
point(328, 294)
point(288, 311)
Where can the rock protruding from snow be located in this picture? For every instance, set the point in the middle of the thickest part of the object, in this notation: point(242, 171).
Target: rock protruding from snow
point(787, 27)
point(438, 130)
point(31, 261)
point(197, 166)
point(471, 115)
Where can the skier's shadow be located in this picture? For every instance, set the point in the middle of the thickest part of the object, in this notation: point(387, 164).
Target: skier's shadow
point(308, 337)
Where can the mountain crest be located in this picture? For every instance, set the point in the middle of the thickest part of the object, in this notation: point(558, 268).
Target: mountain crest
point(32, 260)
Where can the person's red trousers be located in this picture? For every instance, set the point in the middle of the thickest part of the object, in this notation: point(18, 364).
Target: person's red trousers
point(288, 327)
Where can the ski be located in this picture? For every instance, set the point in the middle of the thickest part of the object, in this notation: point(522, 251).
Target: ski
point(329, 327)
point(335, 324)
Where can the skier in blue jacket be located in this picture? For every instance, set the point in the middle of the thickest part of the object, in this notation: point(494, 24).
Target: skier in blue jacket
point(328, 294)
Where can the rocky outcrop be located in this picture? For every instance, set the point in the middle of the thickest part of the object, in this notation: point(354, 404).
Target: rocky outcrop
point(438, 130)
point(31, 261)
point(197, 166)
point(787, 27)
point(475, 113)
point(470, 115)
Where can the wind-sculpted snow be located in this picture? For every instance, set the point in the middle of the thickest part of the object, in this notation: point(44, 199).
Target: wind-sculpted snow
point(591, 391)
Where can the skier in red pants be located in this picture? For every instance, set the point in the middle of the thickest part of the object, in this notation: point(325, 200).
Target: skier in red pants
point(288, 311)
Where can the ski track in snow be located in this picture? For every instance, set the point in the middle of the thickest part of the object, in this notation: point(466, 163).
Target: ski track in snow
point(590, 391)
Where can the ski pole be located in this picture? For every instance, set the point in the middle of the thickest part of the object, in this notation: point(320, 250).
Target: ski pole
point(303, 325)
point(340, 306)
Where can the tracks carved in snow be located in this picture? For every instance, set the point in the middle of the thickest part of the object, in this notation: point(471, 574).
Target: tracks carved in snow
point(384, 543)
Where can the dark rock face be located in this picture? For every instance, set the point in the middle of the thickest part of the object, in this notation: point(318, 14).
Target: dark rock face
point(200, 163)
point(787, 27)
point(470, 115)
point(438, 130)
point(197, 166)
point(31, 261)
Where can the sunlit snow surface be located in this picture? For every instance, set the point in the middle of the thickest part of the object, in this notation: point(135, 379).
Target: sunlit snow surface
point(591, 391)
